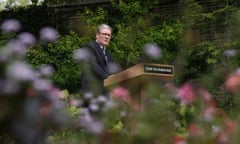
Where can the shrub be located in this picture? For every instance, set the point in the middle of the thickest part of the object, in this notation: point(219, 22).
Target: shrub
point(60, 57)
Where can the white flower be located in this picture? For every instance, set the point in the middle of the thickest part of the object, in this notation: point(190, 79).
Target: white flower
point(230, 53)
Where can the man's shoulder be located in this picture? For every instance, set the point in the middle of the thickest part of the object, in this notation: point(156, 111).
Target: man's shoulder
point(91, 45)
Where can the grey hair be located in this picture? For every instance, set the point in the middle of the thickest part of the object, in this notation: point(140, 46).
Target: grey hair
point(103, 26)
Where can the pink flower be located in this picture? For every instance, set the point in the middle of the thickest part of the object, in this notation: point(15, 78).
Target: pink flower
point(230, 126)
point(205, 94)
point(195, 130)
point(58, 93)
point(121, 94)
point(186, 94)
point(209, 114)
point(179, 140)
point(222, 138)
point(233, 82)
point(74, 102)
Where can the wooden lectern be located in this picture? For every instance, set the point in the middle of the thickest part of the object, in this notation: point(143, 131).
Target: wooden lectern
point(137, 77)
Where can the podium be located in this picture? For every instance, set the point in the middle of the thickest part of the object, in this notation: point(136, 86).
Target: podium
point(138, 77)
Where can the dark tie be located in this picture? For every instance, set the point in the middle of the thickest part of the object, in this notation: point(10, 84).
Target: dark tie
point(104, 52)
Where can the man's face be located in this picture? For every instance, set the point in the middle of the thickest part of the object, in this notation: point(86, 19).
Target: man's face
point(103, 38)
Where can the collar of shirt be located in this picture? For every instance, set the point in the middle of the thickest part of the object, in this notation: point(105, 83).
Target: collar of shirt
point(101, 46)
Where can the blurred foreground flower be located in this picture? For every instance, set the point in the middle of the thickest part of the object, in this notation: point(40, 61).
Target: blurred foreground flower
point(30, 104)
point(186, 94)
point(152, 51)
point(120, 94)
point(16, 47)
point(179, 140)
point(230, 53)
point(81, 54)
point(225, 133)
point(233, 82)
point(195, 130)
point(27, 38)
point(20, 71)
point(89, 123)
point(11, 25)
point(46, 70)
point(113, 68)
point(48, 34)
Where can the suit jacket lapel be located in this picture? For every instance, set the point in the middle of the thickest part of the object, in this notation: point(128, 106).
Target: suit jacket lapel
point(100, 51)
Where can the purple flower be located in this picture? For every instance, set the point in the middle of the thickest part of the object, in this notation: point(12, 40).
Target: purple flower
point(81, 54)
point(102, 99)
point(230, 53)
point(88, 95)
point(11, 25)
point(16, 46)
point(85, 112)
point(20, 71)
point(94, 107)
point(46, 70)
point(95, 127)
point(238, 71)
point(152, 51)
point(91, 125)
point(113, 68)
point(27, 38)
point(48, 34)
point(42, 84)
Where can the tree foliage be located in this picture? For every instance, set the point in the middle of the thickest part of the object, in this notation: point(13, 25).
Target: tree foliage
point(33, 18)
point(60, 56)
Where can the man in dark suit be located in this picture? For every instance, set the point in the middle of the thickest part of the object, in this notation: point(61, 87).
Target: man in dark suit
point(97, 66)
